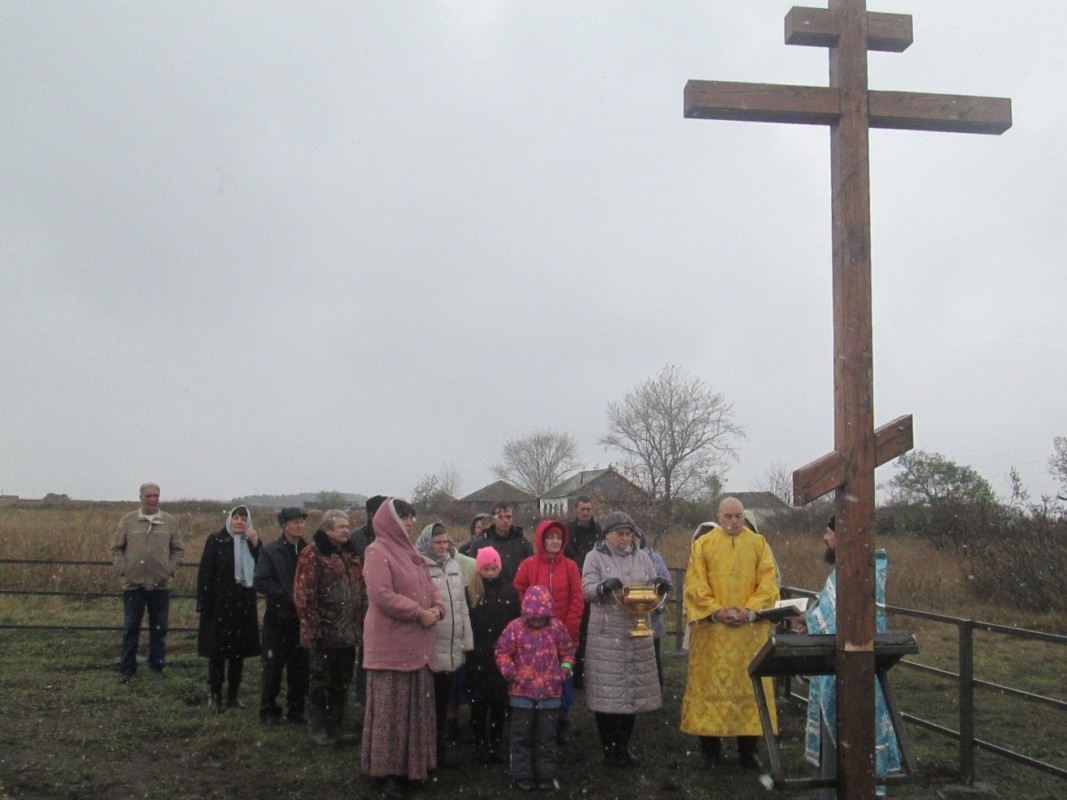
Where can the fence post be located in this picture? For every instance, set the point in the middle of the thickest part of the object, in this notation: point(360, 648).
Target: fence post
point(966, 701)
point(679, 607)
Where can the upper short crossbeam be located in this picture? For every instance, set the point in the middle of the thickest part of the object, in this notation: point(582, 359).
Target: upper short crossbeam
point(820, 105)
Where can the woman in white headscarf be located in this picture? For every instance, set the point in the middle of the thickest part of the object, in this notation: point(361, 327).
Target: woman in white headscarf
point(452, 633)
point(226, 602)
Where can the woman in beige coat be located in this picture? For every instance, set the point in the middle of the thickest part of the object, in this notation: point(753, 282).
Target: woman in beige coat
point(452, 633)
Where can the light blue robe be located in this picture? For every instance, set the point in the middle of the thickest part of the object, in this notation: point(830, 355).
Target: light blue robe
point(822, 692)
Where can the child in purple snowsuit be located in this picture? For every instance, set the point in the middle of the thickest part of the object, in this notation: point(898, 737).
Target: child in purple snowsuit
point(535, 655)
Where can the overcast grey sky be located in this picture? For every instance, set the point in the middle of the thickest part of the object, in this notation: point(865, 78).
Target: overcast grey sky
point(275, 247)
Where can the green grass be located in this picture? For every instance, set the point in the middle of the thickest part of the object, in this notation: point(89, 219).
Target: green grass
point(69, 730)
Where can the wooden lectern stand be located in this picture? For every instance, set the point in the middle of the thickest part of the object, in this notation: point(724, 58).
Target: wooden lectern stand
point(801, 654)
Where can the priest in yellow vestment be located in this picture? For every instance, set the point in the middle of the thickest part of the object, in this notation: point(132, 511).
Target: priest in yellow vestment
point(731, 576)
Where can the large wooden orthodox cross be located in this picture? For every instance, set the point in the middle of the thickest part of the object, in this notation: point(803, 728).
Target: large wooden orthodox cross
point(850, 109)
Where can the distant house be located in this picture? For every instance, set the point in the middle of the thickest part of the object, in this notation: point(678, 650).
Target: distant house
point(481, 501)
point(607, 488)
point(762, 505)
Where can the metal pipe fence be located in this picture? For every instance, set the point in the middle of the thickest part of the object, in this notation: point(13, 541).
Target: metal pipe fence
point(967, 686)
point(78, 594)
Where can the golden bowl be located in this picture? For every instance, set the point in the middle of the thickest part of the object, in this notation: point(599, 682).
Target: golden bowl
point(639, 601)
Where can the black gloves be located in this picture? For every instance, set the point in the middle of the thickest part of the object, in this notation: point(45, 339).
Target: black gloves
point(609, 586)
point(662, 585)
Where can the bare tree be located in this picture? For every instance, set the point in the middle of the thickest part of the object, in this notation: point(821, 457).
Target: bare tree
point(435, 492)
point(779, 482)
point(425, 490)
point(711, 489)
point(1057, 463)
point(536, 462)
point(674, 431)
point(1020, 498)
point(448, 479)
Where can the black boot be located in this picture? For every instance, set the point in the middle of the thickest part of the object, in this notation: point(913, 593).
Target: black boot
point(295, 714)
point(452, 731)
point(233, 685)
point(214, 703)
point(231, 698)
point(446, 759)
point(498, 753)
point(393, 788)
point(317, 718)
point(747, 751)
point(270, 714)
point(335, 717)
point(563, 730)
point(611, 755)
point(710, 747)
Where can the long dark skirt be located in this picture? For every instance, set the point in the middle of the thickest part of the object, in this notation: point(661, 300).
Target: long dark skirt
point(399, 724)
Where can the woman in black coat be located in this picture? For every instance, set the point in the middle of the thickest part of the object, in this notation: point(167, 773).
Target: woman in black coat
point(226, 602)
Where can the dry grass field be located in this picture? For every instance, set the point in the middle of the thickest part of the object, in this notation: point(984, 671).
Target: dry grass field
point(69, 730)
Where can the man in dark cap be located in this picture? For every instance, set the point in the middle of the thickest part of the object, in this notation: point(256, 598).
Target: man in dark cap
point(360, 538)
point(281, 648)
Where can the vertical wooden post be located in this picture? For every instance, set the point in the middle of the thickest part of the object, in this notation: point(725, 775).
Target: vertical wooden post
point(854, 400)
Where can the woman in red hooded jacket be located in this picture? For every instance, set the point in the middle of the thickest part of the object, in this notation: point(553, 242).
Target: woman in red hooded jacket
point(548, 567)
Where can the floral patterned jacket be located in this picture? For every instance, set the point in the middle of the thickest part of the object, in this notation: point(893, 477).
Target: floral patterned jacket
point(530, 658)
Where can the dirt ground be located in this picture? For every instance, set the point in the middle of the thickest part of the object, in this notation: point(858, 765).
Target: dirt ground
point(70, 731)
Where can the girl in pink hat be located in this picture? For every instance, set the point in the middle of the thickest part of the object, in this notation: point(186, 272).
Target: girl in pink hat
point(493, 604)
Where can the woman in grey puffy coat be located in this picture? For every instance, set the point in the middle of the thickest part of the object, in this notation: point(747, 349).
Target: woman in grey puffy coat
point(620, 671)
point(452, 633)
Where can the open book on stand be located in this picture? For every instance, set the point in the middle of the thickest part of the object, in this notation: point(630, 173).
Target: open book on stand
point(784, 609)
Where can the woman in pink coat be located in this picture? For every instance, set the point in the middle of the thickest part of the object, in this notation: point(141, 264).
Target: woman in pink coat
point(399, 738)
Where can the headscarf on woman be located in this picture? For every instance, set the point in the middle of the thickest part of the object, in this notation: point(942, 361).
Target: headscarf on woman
point(243, 564)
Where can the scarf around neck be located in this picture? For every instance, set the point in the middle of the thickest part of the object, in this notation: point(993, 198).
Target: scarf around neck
point(243, 564)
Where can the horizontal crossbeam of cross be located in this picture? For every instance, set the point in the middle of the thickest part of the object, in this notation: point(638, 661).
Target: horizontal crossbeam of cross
point(825, 474)
point(820, 105)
